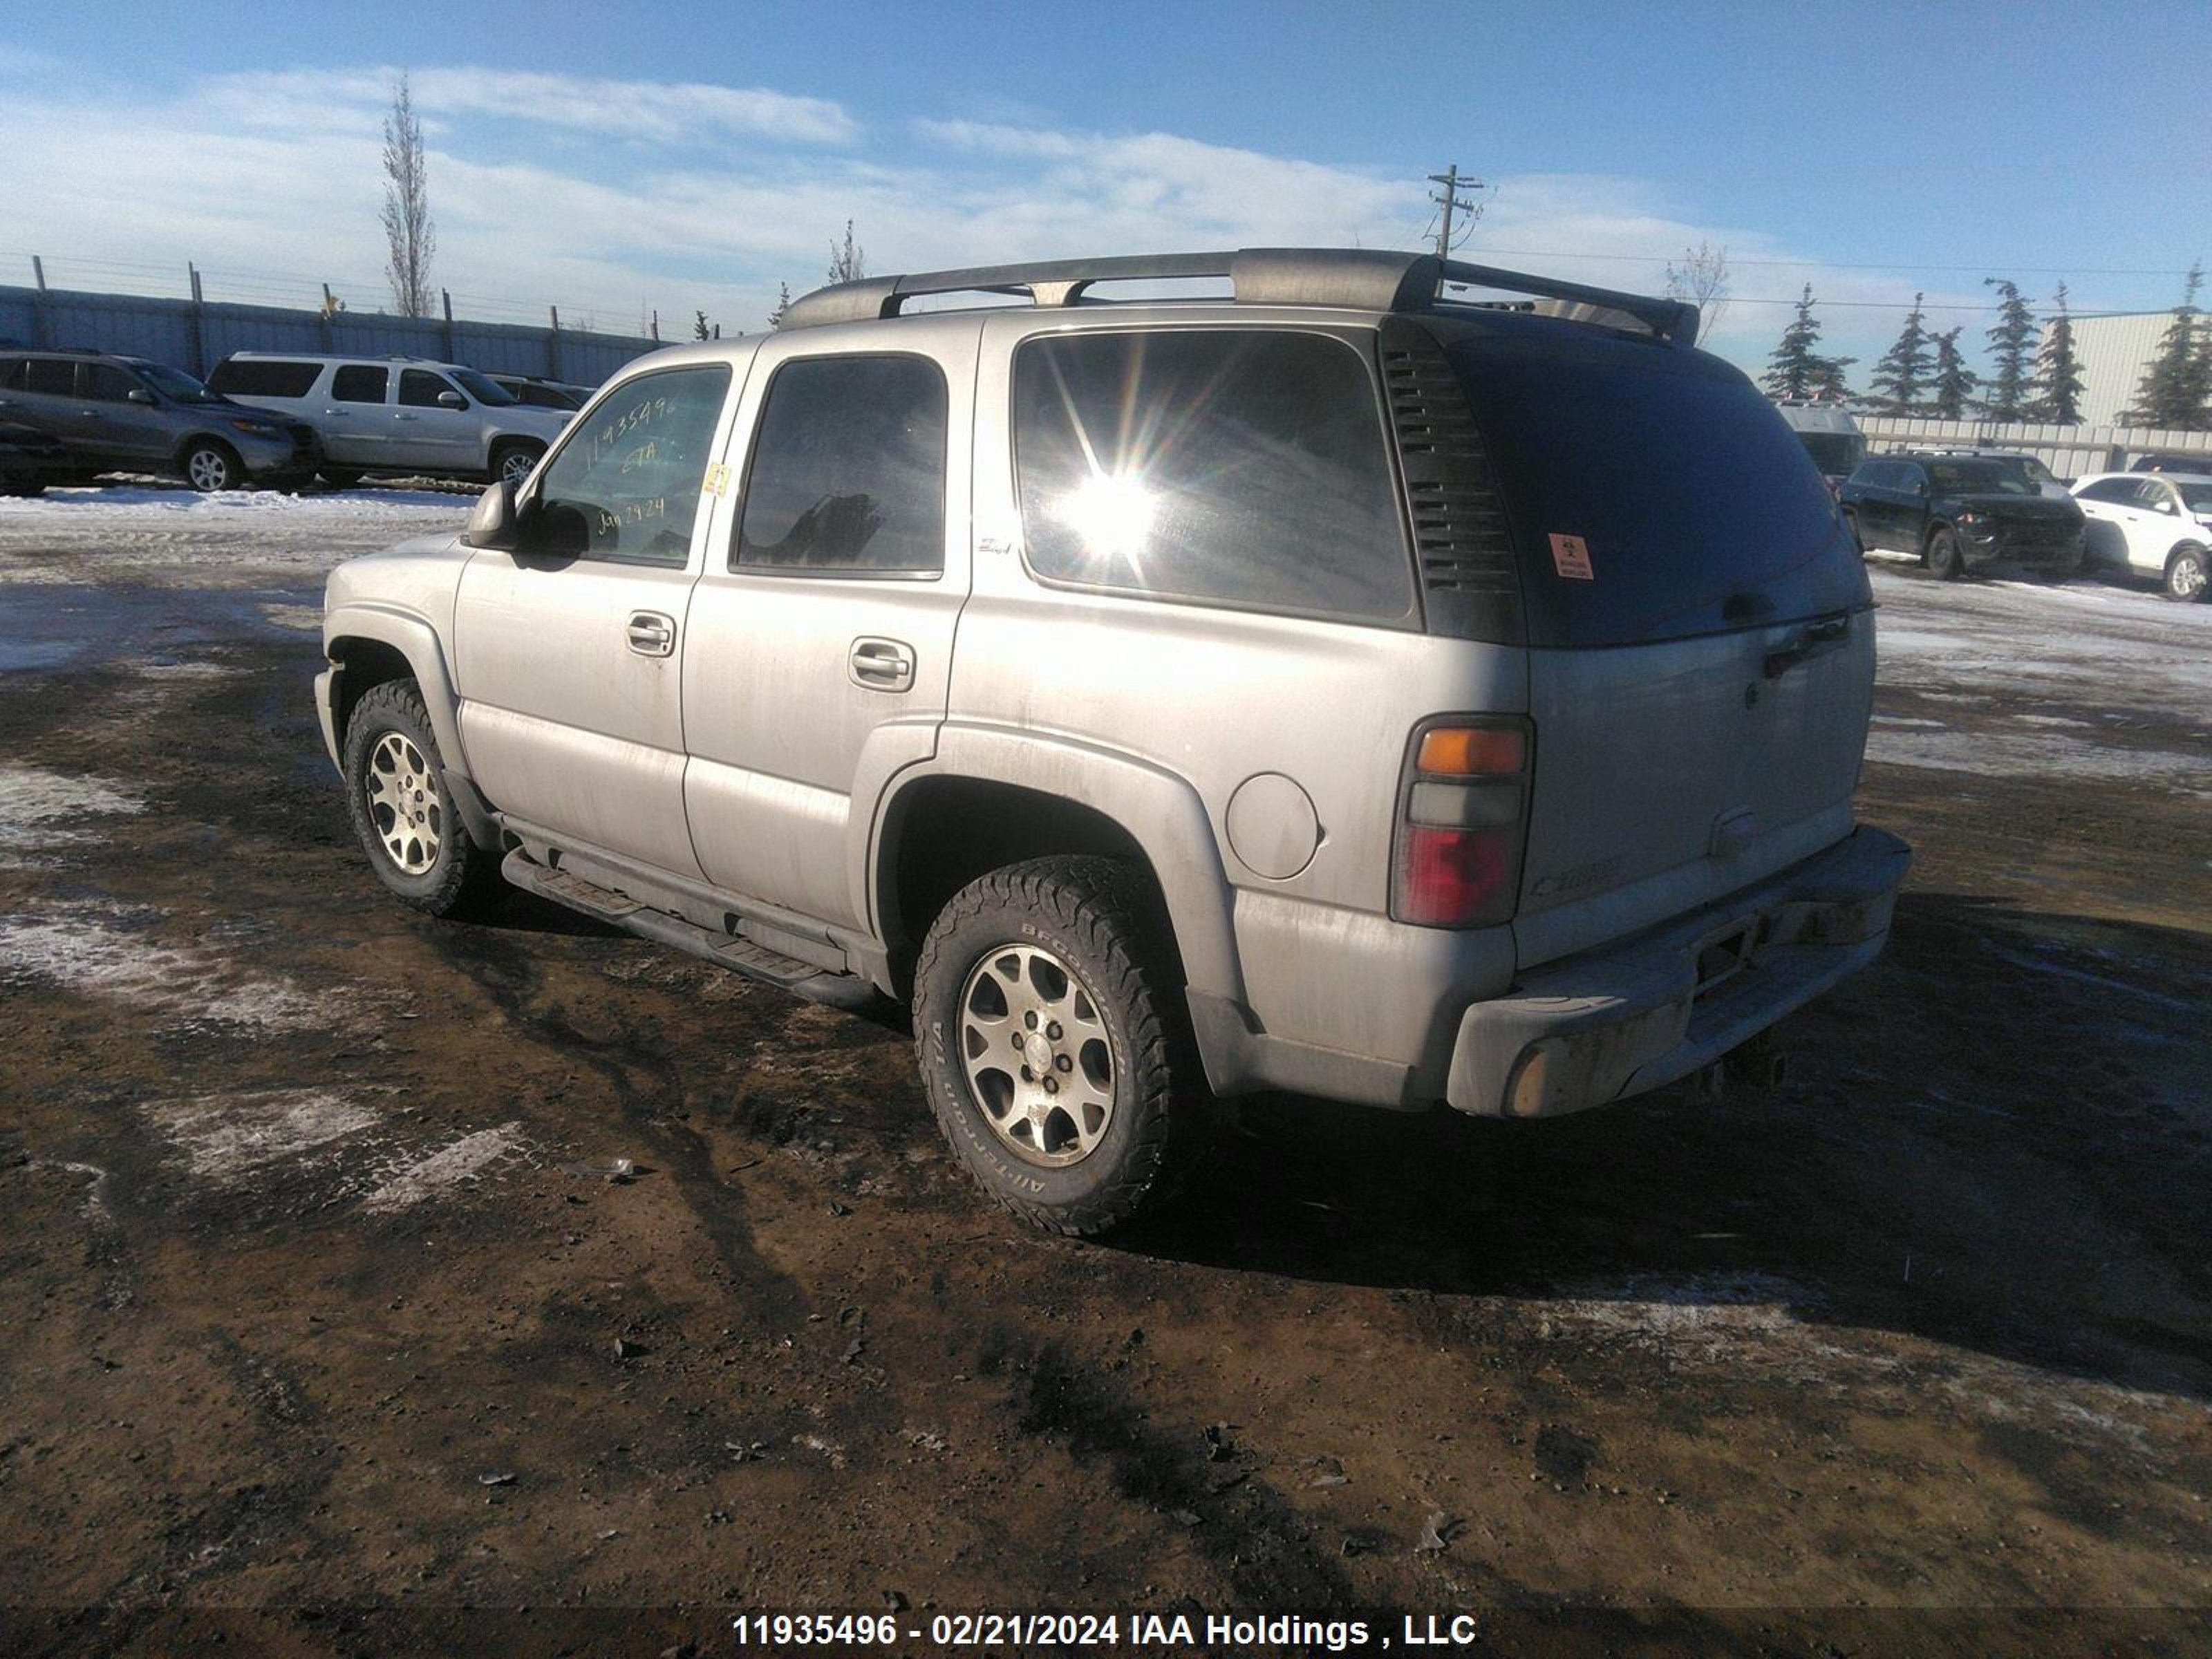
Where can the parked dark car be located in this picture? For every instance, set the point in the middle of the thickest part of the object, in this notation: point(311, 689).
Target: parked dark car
point(1957, 513)
point(117, 414)
point(29, 460)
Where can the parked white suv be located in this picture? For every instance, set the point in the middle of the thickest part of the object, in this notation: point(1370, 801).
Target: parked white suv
point(2151, 524)
point(396, 414)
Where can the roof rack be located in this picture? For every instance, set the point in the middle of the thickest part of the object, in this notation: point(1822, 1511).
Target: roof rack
point(1353, 278)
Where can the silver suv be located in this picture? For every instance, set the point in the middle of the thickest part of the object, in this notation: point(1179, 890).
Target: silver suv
point(116, 414)
point(1341, 688)
point(396, 414)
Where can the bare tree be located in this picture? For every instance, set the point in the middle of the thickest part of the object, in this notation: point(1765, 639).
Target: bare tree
point(782, 305)
point(408, 232)
point(1701, 280)
point(849, 262)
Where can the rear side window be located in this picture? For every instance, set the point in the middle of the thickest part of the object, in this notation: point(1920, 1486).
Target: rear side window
point(1242, 467)
point(360, 383)
point(847, 471)
point(1654, 493)
point(626, 485)
point(11, 374)
point(263, 378)
point(54, 376)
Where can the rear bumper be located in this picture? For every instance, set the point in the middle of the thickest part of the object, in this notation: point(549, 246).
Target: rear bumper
point(1619, 1021)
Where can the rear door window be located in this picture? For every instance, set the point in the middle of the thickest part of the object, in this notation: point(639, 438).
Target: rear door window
point(56, 377)
point(848, 473)
point(1246, 468)
point(236, 377)
point(1654, 493)
point(360, 383)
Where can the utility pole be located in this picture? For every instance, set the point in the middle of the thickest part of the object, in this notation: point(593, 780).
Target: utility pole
point(1450, 201)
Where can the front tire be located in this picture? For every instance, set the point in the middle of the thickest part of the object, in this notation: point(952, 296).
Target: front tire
point(1946, 560)
point(402, 809)
point(1051, 1039)
point(2187, 574)
point(512, 462)
point(210, 466)
point(1851, 524)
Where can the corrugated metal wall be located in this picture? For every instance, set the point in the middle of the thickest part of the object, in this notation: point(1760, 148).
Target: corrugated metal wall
point(196, 337)
point(2113, 352)
point(2069, 450)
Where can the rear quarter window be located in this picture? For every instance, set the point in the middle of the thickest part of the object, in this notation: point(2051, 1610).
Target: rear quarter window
point(1653, 493)
point(1246, 468)
point(273, 378)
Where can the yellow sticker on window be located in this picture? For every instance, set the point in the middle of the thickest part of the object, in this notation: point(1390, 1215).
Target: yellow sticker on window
point(1569, 557)
point(717, 480)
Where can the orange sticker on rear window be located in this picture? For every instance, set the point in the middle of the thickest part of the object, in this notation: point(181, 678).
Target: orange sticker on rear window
point(1571, 558)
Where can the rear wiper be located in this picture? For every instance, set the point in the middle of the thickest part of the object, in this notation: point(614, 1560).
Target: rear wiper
point(1817, 638)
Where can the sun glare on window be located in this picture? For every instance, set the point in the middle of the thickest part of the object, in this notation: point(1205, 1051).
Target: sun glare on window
point(1112, 514)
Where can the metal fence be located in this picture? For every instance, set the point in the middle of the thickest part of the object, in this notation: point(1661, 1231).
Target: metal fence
point(2068, 451)
point(196, 335)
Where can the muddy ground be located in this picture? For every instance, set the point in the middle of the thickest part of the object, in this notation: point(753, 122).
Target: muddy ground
point(317, 1296)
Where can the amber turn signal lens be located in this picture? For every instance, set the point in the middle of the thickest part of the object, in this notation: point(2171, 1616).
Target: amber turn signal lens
point(1466, 751)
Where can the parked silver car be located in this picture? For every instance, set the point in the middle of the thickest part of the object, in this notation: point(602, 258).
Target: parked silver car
point(1339, 688)
point(396, 414)
point(119, 414)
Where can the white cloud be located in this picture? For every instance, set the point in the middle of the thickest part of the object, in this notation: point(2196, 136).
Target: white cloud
point(272, 182)
point(647, 111)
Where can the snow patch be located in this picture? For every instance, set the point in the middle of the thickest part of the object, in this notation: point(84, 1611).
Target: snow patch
point(2041, 753)
point(40, 808)
point(226, 1139)
point(93, 957)
point(465, 1160)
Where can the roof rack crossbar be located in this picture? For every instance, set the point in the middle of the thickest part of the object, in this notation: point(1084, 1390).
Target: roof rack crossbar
point(1359, 278)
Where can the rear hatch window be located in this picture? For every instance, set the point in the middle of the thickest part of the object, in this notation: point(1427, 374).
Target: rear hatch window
point(1652, 493)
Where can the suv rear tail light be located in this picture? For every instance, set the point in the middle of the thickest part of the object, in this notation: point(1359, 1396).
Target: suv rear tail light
point(1462, 807)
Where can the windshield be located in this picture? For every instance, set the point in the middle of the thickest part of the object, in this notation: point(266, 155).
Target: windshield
point(1981, 478)
point(1653, 494)
point(2196, 497)
point(1834, 453)
point(483, 390)
point(175, 385)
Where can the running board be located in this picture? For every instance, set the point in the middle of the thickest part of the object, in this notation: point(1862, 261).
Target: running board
point(744, 956)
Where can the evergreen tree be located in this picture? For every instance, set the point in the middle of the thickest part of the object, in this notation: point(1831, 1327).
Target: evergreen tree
point(1954, 382)
point(2177, 388)
point(782, 305)
point(699, 329)
point(1796, 369)
point(1902, 374)
point(2057, 371)
point(2012, 345)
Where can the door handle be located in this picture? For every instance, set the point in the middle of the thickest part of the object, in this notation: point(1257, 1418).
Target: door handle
point(879, 664)
point(651, 634)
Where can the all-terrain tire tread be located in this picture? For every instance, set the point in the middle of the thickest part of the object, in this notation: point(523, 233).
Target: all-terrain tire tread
point(467, 876)
point(1109, 905)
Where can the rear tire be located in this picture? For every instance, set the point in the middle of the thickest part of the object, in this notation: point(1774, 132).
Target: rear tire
point(1057, 974)
point(209, 466)
point(1946, 562)
point(402, 809)
point(2186, 575)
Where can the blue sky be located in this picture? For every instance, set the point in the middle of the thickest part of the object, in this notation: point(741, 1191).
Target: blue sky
point(618, 159)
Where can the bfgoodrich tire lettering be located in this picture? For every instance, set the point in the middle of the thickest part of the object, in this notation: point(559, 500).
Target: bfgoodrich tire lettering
point(1096, 916)
point(438, 870)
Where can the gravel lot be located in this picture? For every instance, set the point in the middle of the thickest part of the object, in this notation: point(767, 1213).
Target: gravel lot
point(319, 1295)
